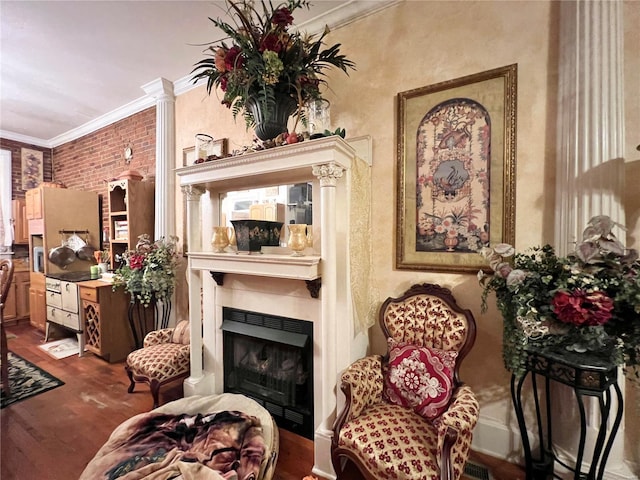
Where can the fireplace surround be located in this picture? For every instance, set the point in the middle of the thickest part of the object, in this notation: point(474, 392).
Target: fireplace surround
point(329, 289)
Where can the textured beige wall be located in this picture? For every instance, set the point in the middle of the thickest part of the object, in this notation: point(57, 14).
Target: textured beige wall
point(419, 43)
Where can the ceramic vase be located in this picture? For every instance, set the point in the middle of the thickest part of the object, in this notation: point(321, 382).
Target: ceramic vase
point(274, 122)
point(220, 239)
point(298, 239)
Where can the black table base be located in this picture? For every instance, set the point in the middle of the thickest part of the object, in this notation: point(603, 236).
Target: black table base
point(143, 319)
point(589, 375)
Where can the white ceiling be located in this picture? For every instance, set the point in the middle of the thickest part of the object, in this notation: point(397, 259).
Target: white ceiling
point(65, 65)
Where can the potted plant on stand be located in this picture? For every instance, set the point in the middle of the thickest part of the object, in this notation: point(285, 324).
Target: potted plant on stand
point(265, 69)
point(586, 302)
point(148, 273)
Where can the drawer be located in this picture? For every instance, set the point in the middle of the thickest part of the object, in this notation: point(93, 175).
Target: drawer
point(71, 320)
point(55, 314)
point(90, 294)
point(54, 299)
point(61, 317)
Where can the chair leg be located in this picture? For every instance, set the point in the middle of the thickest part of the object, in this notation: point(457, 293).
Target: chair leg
point(132, 382)
point(154, 385)
point(4, 375)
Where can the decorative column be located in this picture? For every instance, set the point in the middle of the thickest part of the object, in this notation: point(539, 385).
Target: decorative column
point(193, 193)
point(161, 90)
point(590, 163)
point(328, 174)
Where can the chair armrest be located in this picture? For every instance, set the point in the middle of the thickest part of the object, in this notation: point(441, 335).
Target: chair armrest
point(156, 337)
point(455, 429)
point(362, 384)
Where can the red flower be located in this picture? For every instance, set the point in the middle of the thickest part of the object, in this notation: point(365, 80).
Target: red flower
point(233, 59)
point(581, 308)
point(282, 17)
point(136, 262)
point(271, 42)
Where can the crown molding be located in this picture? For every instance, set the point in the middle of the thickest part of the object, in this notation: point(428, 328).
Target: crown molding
point(18, 137)
point(338, 17)
point(105, 120)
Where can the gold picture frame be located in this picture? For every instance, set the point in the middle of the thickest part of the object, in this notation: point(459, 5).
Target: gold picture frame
point(456, 163)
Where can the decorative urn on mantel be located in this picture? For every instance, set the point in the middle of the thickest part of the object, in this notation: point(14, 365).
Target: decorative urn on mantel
point(319, 287)
point(269, 71)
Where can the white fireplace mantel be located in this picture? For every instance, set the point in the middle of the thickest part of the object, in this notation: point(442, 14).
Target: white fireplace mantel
point(265, 265)
point(271, 283)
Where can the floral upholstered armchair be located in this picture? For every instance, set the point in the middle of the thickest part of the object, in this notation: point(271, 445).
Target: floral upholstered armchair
point(407, 416)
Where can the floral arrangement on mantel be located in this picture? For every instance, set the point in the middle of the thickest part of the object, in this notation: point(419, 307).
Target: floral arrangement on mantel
point(148, 272)
point(263, 57)
point(587, 301)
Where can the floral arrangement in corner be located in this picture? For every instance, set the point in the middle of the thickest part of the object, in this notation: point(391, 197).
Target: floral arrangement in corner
point(148, 272)
point(586, 301)
point(263, 55)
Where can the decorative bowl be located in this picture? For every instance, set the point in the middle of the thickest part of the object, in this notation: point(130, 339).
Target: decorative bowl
point(252, 235)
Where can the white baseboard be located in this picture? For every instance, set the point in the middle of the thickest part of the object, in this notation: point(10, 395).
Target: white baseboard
point(496, 439)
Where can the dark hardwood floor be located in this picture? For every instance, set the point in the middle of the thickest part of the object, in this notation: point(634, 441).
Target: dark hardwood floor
point(53, 436)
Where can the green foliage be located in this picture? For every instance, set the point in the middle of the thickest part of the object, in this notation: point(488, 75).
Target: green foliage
point(261, 56)
point(589, 300)
point(148, 273)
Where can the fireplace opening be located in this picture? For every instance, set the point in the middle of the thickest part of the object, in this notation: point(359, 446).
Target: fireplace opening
point(270, 359)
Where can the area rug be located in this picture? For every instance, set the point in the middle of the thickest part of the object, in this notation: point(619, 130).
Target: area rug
point(26, 380)
point(61, 348)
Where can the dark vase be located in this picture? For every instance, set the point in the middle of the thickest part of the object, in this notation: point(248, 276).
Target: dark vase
point(274, 122)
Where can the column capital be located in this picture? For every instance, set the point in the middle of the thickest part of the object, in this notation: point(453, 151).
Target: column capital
point(160, 89)
point(192, 192)
point(328, 173)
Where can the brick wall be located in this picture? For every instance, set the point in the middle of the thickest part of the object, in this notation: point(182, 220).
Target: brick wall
point(16, 164)
point(89, 162)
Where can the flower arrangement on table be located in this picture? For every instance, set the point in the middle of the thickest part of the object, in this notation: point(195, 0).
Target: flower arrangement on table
point(264, 58)
point(586, 301)
point(149, 272)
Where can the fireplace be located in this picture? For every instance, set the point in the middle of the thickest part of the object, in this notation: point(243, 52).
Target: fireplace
point(270, 359)
point(328, 290)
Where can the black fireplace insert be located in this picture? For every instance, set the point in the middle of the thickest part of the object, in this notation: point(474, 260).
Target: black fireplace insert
point(270, 359)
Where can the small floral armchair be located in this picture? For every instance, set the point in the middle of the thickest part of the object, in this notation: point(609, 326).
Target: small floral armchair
point(164, 358)
point(407, 416)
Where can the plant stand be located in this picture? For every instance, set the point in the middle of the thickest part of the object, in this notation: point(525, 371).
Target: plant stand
point(588, 375)
point(143, 319)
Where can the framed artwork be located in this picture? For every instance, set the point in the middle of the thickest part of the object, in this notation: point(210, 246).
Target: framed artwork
point(32, 168)
point(456, 171)
point(206, 149)
point(188, 156)
point(219, 147)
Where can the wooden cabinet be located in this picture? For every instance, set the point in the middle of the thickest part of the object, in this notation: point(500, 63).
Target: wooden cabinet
point(131, 214)
point(105, 317)
point(56, 213)
point(17, 306)
point(37, 301)
point(10, 308)
point(20, 224)
point(33, 199)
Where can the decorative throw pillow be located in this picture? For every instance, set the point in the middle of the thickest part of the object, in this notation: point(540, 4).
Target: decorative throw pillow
point(420, 378)
point(181, 333)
